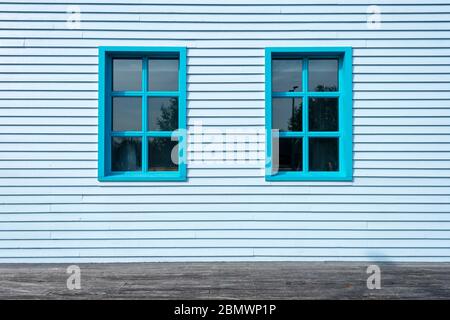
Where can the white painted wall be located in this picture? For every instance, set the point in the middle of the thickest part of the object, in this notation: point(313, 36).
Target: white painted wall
point(53, 209)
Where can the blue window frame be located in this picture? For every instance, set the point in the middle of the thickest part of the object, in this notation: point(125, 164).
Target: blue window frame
point(142, 114)
point(309, 114)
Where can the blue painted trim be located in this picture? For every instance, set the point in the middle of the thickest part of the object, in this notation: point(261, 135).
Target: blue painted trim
point(345, 95)
point(143, 93)
point(305, 124)
point(306, 94)
point(104, 113)
point(101, 113)
point(268, 112)
point(144, 115)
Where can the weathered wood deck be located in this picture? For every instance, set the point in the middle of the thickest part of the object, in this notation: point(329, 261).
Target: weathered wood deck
point(262, 280)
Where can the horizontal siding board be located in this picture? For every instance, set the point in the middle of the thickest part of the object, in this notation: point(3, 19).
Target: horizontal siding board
point(102, 15)
point(105, 25)
point(140, 259)
point(55, 210)
point(379, 147)
point(224, 9)
point(359, 164)
point(365, 114)
point(221, 243)
point(206, 206)
point(149, 199)
point(226, 234)
point(218, 138)
point(291, 190)
point(233, 86)
point(224, 252)
point(183, 225)
point(226, 172)
point(168, 217)
point(230, 181)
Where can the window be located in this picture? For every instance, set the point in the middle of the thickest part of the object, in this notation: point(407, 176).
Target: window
point(142, 114)
point(309, 114)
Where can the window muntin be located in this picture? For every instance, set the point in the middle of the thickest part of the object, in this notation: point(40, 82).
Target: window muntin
point(142, 114)
point(311, 116)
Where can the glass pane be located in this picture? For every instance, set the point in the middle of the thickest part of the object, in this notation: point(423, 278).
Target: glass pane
point(162, 114)
point(127, 114)
point(286, 75)
point(287, 114)
point(323, 154)
point(163, 75)
point(127, 74)
point(323, 75)
point(126, 154)
point(289, 154)
point(323, 114)
point(162, 154)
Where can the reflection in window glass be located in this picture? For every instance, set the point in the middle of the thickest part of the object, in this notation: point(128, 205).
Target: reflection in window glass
point(162, 114)
point(287, 75)
point(126, 114)
point(323, 75)
point(287, 114)
point(162, 154)
point(323, 114)
point(323, 154)
point(163, 75)
point(290, 154)
point(127, 74)
point(126, 154)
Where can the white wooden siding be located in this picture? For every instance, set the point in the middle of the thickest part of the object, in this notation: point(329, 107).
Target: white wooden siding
point(53, 209)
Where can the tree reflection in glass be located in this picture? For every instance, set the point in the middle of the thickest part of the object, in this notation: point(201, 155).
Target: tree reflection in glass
point(323, 114)
point(287, 114)
point(162, 113)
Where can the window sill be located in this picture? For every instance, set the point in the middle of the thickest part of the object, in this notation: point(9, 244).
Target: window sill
point(145, 177)
point(310, 176)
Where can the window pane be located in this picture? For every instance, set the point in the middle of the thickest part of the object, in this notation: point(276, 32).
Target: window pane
point(287, 114)
point(127, 74)
point(286, 75)
point(162, 114)
point(323, 114)
point(162, 154)
point(323, 154)
point(126, 154)
point(127, 114)
point(163, 75)
point(289, 154)
point(323, 75)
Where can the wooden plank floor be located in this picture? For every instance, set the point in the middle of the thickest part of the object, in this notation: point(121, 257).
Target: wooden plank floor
point(229, 280)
